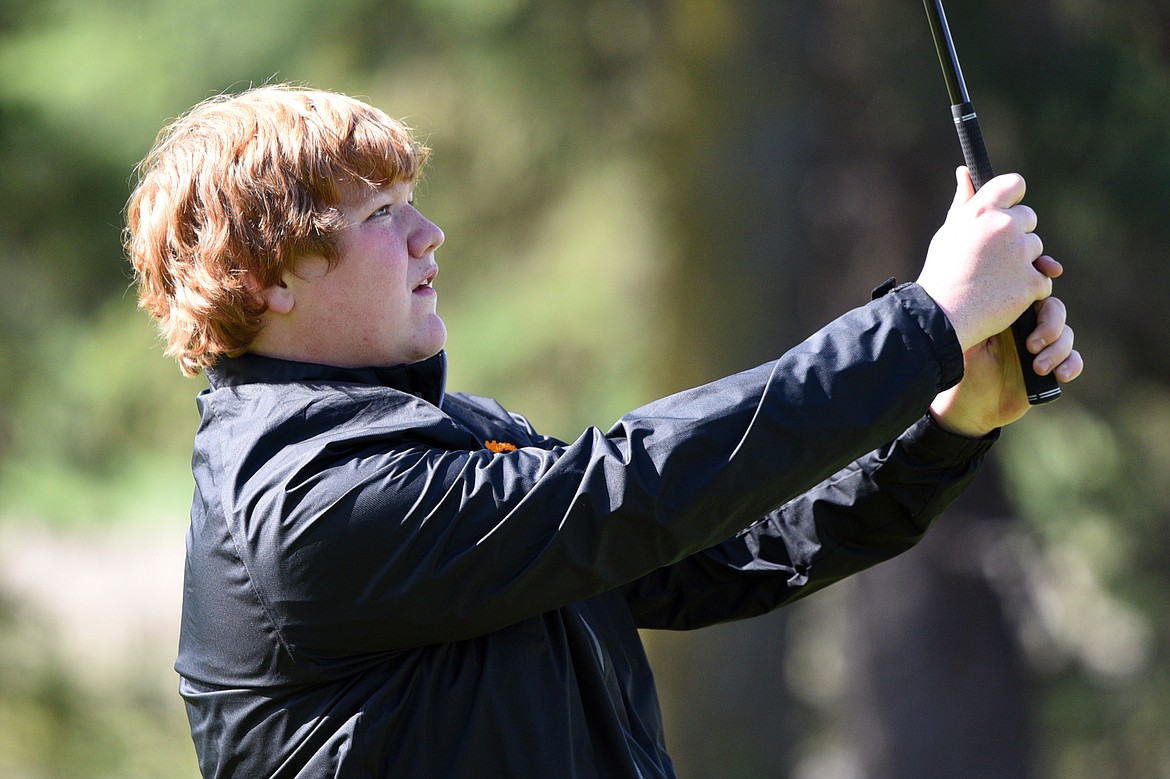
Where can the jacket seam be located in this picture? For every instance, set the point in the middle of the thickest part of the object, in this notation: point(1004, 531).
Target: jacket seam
point(255, 588)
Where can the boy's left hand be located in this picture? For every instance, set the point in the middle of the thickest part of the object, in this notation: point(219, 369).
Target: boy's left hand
point(992, 394)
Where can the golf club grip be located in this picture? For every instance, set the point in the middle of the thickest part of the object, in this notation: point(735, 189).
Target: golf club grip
point(1040, 389)
point(971, 139)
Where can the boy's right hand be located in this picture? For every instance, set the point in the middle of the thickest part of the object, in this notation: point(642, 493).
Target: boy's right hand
point(985, 265)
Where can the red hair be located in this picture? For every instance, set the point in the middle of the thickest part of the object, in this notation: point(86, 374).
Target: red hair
point(234, 192)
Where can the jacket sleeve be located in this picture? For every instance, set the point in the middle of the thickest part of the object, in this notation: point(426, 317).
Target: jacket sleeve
point(870, 511)
point(359, 544)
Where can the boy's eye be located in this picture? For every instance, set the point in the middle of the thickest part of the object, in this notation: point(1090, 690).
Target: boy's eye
point(385, 209)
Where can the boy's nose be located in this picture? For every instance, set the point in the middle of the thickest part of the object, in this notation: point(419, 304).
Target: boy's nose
point(425, 238)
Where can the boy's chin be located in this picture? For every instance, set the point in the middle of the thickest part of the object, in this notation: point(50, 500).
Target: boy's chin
point(432, 345)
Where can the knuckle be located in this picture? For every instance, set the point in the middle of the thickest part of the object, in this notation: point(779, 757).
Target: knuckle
point(1037, 244)
point(1042, 286)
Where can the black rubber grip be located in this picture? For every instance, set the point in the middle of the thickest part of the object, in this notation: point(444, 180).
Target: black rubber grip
point(1041, 389)
point(971, 139)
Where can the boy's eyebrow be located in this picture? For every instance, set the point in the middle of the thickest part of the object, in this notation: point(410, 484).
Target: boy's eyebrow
point(356, 197)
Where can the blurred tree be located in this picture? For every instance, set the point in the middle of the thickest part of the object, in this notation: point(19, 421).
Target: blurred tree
point(830, 172)
point(938, 675)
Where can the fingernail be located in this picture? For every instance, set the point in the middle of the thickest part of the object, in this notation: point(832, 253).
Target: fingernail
point(1043, 366)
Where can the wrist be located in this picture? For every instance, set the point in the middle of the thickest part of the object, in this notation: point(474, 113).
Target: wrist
point(947, 417)
point(951, 310)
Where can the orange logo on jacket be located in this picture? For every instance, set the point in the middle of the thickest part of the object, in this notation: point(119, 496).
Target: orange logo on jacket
point(499, 446)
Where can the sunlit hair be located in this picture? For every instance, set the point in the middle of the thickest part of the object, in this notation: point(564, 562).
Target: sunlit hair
point(234, 192)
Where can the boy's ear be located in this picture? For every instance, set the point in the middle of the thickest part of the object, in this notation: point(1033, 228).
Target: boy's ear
point(278, 297)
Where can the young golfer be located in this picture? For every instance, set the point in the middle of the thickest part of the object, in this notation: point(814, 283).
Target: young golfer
point(386, 579)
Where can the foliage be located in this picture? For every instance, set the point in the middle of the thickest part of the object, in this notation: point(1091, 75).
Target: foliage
point(615, 172)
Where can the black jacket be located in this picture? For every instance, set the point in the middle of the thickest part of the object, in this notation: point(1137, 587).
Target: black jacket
point(383, 581)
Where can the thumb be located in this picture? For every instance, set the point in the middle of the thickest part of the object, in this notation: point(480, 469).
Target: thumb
point(965, 188)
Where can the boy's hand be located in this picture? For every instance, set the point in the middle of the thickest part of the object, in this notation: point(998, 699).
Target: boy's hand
point(985, 265)
point(982, 267)
point(992, 393)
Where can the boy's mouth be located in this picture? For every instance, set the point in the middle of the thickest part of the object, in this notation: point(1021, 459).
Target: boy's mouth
point(428, 280)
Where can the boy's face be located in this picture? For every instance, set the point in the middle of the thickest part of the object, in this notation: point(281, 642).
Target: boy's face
point(375, 306)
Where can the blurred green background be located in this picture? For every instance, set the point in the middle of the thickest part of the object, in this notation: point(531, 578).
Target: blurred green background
point(637, 196)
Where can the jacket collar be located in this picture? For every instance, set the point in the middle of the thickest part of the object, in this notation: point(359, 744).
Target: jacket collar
point(426, 380)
